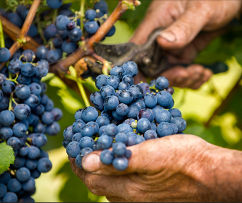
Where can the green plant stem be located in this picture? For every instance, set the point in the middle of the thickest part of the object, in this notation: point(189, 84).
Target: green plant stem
point(40, 30)
point(54, 16)
point(10, 102)
point(2, 42)
point(83, 92)
point(82, 9)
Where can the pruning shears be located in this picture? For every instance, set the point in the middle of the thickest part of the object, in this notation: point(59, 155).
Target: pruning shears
point(150, 57)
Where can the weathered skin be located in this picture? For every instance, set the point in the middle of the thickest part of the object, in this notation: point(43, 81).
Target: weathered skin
point(183, 21)
point(174, 168)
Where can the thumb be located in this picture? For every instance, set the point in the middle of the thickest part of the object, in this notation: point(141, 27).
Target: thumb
point(143, 157)
point(184, 29)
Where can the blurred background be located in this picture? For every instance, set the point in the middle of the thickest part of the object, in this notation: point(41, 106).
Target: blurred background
point(213, 112)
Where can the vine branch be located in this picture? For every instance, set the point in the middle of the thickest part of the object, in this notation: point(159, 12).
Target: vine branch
point(64, 64)
point(29, 19)
point(20, 36)
point(107, 25)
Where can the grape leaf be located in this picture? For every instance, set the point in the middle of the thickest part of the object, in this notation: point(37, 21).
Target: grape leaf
point(6, 157)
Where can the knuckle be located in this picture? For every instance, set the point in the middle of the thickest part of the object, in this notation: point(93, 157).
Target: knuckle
point(89, 180)
point(97, 191)
point(93, 184)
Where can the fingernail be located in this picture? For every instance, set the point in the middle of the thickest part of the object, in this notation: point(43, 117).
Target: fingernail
point(169, 36)
point(91, 163)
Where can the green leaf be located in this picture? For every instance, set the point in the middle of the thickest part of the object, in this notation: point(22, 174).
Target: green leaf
point(6, 157)
point(90, 84)
point(224, 47)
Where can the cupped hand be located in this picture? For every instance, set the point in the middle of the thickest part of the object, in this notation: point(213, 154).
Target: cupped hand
point(183, 21)
point(164, 169)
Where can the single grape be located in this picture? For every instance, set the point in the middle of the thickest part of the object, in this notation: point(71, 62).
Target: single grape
point(90, 14)
point(120, 163)
point(6, 118)
point(89, 114)
point(86, 142)
point(161, 83)
point(44, 165)
point(73, 149)
point(10, 197)
point(55, 4)
point(23, 174)
point(165, 99)
point(104, 142)
point(14, 185)
point(111, 102)
point(106, 157)
point(119, 149)
point(121, 137)
point(91, 27)
point(175, 112)
point(22, 111)
point(130, 68)
point(3, 190)
point(75, 35)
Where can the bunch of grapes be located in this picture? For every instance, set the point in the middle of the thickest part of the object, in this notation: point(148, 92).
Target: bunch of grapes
point(26, 115)
point(17, 18)
point(66, 34)
point(125, 114)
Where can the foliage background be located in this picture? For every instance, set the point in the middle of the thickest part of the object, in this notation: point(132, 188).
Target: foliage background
point(197, 107)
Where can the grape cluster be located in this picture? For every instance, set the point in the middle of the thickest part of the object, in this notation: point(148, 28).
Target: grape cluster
point(66, 34)
point(17, 17)
point(26, 115)
point(125, 114)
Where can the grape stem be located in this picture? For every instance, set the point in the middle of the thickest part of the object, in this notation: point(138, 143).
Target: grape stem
point(83, 92)
point(106, 64)
point(82, 9)
point(1, 35)
point(40, 29)
point(80, 87)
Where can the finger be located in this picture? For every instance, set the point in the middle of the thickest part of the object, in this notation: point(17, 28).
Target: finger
point(139, 162)
point(196, 74)
point(159, 14)
point(110, 186)
point(207, 75)
point(79, 172)
point(176, 75)
point(185, 29)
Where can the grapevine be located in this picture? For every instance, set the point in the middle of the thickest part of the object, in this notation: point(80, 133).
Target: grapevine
point(38, 37)
point(29, 50)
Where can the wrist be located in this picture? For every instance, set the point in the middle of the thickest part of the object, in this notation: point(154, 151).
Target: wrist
point(218, 171)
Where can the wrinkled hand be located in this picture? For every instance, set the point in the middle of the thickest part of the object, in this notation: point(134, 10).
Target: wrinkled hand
point(165, 169)
point(183, 20)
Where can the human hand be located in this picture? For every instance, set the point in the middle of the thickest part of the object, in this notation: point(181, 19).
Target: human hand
point(183, 20)
point(173, 168)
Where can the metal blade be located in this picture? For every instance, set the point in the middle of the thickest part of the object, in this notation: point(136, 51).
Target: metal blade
point(114, 52)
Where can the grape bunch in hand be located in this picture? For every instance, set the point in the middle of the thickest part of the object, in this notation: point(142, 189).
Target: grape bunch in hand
point(124, 114)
